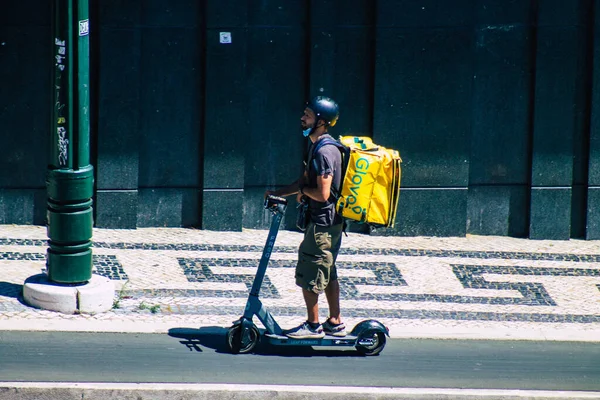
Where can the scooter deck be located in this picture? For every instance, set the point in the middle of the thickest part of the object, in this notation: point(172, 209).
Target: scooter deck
point(328, 340)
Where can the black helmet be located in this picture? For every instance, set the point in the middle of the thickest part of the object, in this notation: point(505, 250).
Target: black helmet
point(325, 109)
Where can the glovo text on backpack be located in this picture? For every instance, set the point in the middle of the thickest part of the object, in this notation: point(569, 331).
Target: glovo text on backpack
point(371, 184)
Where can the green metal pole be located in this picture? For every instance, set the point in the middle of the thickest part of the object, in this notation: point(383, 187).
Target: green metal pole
point(83, 83)
point(70, 177)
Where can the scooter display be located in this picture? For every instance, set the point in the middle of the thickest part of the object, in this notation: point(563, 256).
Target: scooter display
point(368, 337)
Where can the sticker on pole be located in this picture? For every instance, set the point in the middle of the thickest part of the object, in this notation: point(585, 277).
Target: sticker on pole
point(225, 37)
point(84, 27)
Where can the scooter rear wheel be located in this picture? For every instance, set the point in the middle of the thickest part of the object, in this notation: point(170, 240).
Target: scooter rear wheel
point(371, 343)
point(239, 344)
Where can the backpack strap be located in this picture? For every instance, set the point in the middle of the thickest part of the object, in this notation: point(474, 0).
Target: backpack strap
point(345, 153)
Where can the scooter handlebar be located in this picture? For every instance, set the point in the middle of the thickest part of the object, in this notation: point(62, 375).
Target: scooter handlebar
point(272, 201)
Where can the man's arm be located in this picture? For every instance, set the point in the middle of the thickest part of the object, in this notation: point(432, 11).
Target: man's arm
point(324, 164)
point(292, 188)
point(288, 190)
point(322, 191)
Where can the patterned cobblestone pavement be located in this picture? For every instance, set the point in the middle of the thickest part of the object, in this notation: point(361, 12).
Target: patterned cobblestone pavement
point(474, 287)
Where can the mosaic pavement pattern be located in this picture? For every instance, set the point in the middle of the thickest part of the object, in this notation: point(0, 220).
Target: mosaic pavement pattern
point(431, 287)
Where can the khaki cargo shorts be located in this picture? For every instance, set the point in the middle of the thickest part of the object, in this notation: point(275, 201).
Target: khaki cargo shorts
point(316, 257)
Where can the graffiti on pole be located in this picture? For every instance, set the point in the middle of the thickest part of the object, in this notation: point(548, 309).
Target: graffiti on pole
point(63, 144)
point(61, 53)
point(61, 120)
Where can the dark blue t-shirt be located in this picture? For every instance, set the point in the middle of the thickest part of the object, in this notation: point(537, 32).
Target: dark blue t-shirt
point(327, 160)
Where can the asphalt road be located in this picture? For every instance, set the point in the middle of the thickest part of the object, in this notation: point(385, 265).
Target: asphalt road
point(199, 356)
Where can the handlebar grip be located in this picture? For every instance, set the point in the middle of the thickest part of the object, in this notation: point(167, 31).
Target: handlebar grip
point(272, 201)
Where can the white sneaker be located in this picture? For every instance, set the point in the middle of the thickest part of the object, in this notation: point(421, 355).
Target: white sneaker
point(334, 330)
point(304, 331)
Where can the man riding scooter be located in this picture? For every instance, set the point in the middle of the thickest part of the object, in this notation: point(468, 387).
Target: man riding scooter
point(316, 271)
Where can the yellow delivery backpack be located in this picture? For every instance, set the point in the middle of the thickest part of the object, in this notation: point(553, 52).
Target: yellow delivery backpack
point(371, 182)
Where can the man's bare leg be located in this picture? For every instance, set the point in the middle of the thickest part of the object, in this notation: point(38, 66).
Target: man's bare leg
point(332, 291)
point(312, 305)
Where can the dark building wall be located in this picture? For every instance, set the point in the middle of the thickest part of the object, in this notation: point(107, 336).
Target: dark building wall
point(149, 69)
point(501, 108)
point(422, 102)
point(25, 43)
point(593, 173)
point(492, 104)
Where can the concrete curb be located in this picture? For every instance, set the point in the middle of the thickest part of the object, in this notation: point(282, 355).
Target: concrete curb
point(193, 322)
point(165, 391)
point(95, 296)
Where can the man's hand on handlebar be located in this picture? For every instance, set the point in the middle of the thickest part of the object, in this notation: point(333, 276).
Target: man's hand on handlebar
point(272, 201)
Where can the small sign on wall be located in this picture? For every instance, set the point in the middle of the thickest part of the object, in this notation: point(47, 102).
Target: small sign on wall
point(225, 37)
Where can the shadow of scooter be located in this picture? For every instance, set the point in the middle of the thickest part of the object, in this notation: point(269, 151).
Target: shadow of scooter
point(194, 339)
point(214, 337)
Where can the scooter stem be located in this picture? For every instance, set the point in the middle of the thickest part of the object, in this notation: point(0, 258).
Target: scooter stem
point(278, 211)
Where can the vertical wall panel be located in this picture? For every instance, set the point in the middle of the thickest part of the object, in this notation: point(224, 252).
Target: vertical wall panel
point(499, 210)
point(277, 82)
point(499, 151)
point(341, 60)
point(581, 134)
point(170, 102)
point(224, 128)
point(593, 191)
point(118, 101)
point(422, 102)
point(25, 105)
point(423, 82)
point(170, 112)
point(276, 103)
point(561, 46)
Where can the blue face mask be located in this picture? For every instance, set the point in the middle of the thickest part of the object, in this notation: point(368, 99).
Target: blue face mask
point(306, 132)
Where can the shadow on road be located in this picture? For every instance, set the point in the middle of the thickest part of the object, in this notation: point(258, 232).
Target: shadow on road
point(214, 337)
point(8, 289)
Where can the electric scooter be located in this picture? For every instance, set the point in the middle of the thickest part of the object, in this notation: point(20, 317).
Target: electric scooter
point(368, 337)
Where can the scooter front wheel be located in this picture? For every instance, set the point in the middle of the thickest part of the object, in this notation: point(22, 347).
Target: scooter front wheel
point(238, 343)
point(371, 343)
